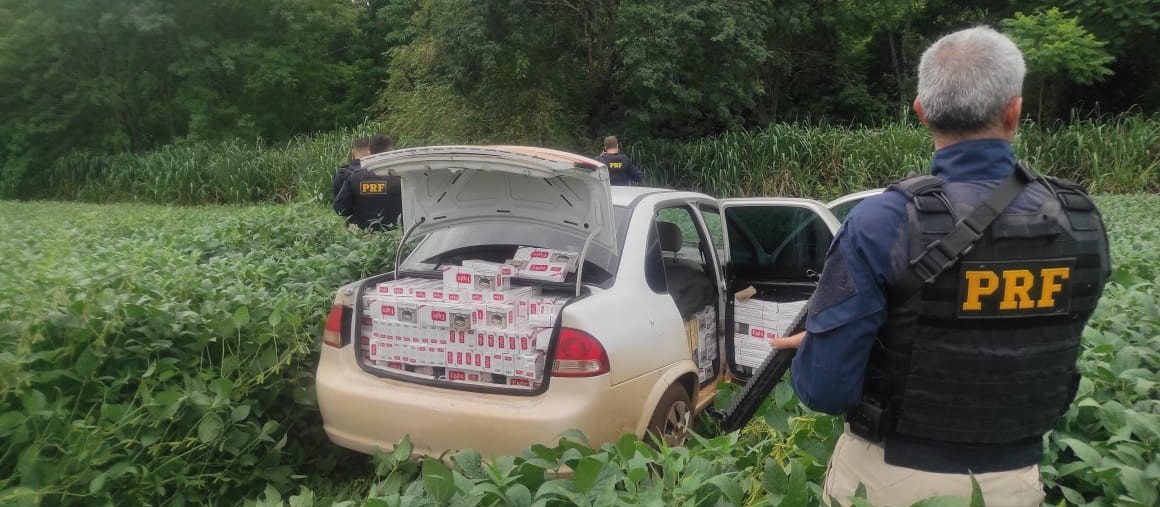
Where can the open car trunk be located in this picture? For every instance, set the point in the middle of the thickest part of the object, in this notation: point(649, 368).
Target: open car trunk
point(409, 329)
point(510, 236)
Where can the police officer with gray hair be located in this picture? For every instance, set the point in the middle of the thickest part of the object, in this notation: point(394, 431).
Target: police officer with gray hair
point(946, 324)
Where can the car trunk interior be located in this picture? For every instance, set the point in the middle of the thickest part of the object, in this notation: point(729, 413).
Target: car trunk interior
point(439, 376)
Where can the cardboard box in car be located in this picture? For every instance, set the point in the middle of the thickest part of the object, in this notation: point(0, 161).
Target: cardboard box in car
point(406, 310)
point(433, 315)
point(542, 312)
point(478, 280)
point(463, 375)
point(506, 270)
point(549, 271)
point(501, 316)
point(519, 382)
point(508, 364)
point(425, 291)
point(541, 338)
point(529, 255)
point(513, 295)
point(529, 366)
point(459, 317)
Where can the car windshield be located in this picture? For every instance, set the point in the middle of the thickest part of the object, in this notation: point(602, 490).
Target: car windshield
point(498, 241)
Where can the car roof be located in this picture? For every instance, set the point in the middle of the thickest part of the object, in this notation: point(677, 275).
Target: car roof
point(631, 196)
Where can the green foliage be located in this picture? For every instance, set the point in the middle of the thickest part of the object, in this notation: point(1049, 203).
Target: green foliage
point(1113, 155)
point(1056, 45)
point(690, 67)
point(164, 356)
point(159, 355)
point(111, 76)
point(1118, 155)
point(1107, 449)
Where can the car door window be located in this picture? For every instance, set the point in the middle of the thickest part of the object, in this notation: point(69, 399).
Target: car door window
point(777, 242)
point(682, 217)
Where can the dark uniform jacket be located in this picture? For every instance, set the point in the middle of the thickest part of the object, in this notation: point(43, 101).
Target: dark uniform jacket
point(621, 169)
point(370, 201)
point(934, 360)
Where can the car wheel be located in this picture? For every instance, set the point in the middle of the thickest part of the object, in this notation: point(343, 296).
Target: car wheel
point(671, 420)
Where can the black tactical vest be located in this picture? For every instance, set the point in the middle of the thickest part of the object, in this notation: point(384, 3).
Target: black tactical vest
point(985, 354)
point(377, 200)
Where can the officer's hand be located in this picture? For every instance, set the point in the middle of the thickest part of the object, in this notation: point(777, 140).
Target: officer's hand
point(792, 341)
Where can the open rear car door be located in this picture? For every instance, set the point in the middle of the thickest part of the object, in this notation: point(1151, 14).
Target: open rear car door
point(777, 247)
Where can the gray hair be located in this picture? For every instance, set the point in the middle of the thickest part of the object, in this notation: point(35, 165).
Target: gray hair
point(966, 79)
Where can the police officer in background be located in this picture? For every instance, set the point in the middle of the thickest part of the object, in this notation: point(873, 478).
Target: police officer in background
point(946, 324)
point(621, 169)
point(359, 149)
point(370, 201)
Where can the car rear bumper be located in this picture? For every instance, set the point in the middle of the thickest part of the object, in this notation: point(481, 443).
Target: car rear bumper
point(361, 411)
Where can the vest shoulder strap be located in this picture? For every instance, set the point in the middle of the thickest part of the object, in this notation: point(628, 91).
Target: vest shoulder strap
point(945, 252)
point(917, 185)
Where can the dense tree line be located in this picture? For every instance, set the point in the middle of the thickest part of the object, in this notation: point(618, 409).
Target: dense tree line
point(111, 76)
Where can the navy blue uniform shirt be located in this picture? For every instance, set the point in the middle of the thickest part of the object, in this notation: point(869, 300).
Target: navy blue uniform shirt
point(621, 169)
point(871, 248)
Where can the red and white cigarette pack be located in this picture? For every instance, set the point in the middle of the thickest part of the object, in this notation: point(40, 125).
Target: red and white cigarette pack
point(542, 312)
point(481, 266)
point(459, 317)
point(529, 366)
point(424, 291)
point(460, 278)
point(433, 315)
point(407, 310)
point(502, 316)
point(547, 255)
point(462, 375)
point(513, 295)
point(522, 382)
point(549, 271)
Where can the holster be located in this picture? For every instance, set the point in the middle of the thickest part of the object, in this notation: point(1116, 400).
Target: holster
point(870, 420)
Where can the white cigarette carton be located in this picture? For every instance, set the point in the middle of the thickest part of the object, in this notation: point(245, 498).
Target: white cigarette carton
point(501, 316)
point(529, 366)
point(483, 266)
point(508, 364)
point(542, 312)
point(550, 271)
point(520, 382)
point(547, 255)
point(370, 305)
point(407, 310)
point(513, 295)
point(461, 278)
point(464, 375)
point(541, 338)
point(433, 315)
point(424, 291)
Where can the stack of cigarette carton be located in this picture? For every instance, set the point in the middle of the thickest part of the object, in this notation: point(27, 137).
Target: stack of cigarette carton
point(544, 263)
point(702, 330)
point(470, 327)
point(757, 321)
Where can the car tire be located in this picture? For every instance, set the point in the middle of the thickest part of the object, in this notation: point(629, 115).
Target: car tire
point(672, 418)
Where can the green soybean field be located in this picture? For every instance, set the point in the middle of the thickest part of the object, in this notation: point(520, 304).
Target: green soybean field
point(154, 355)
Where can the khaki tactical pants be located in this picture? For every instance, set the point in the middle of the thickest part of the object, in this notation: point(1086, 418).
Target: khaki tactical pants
point(857, 460)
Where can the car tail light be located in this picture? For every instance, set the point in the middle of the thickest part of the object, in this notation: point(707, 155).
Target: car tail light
point(332, 335)
point(578, 354)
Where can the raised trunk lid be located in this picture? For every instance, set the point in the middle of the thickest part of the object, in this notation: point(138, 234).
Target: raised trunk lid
point(443, 186)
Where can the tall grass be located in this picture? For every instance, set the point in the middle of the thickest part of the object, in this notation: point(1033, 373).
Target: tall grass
point(1116, 155)
point(1112, 155)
